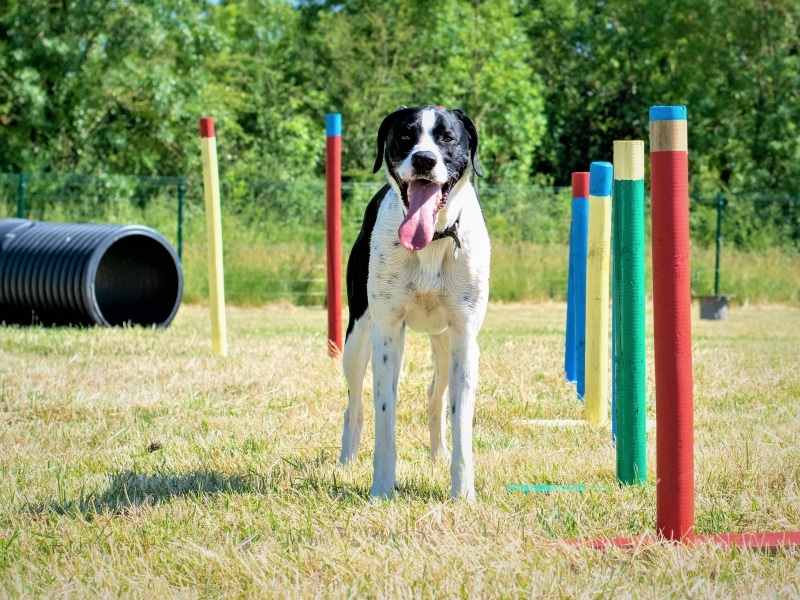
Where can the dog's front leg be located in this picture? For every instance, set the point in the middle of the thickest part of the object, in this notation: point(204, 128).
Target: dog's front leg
point(387, 358)
point(463, 384)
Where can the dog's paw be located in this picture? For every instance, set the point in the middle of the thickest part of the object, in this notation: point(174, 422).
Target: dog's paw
point(347, 457)
point(383, 492)
point(463, 487)
point(467, 496)
point(440, 454)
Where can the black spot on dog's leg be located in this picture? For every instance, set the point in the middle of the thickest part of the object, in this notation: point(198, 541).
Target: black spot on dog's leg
point(453, 409)
point(385, 358)
point(383, 408)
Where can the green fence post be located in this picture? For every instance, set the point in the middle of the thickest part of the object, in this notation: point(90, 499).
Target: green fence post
point(23, 183)
point(720, 205)
point(181, 194)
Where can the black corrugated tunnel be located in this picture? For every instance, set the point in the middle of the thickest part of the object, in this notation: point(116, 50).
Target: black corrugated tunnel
point(77, 274)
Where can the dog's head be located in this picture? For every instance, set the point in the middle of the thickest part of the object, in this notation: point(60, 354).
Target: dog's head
point(429, 152)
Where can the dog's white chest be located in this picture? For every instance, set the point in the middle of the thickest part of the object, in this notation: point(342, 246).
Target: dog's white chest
point(426, 311)
point(417, 286)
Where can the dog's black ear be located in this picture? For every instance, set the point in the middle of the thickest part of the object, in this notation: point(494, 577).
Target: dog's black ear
point(383, 133)
point(473, 140)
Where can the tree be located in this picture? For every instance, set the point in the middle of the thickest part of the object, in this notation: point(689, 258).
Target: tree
point(100, 85)
point(264, 81)
point(377, 56)
point(734, 65)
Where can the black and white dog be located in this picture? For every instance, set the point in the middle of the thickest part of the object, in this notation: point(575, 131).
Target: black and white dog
point(422, 260)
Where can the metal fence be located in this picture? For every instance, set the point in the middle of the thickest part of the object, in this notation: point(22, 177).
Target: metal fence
point(527, 213)
point(285, 221)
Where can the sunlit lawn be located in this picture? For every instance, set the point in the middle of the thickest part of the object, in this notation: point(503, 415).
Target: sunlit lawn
point(134, 463)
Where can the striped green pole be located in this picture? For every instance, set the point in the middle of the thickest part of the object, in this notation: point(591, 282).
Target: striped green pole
point(629, 330)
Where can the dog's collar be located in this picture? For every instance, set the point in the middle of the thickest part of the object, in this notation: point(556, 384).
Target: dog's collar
point(452, 232)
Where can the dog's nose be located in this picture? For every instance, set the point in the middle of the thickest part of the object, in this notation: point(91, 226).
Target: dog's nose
point(423, 161)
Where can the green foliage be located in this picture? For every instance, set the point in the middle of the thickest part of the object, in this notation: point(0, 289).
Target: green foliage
point(95, 86)
point(748, 221)
point(378, 56)
point(736, 66)
point(118, 87)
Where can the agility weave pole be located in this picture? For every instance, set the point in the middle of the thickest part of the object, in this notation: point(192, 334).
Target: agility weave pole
point(672, 329)
point(673, 359)
point(333, 202)
point(595, 408)
point(575, 348)
point(587, 187)
point(629, 367)
point(216, 283)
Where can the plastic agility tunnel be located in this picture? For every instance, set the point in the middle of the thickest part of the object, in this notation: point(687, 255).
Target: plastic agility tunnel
point(78, 274)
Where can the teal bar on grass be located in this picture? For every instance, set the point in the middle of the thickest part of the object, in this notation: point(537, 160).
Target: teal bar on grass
point(549, 488)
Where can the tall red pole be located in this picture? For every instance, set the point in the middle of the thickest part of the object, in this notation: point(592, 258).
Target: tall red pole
point(333, 195)
point(669, 171)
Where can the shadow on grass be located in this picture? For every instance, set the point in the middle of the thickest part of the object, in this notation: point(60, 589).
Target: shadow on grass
point(129, 490)
point(288, 477)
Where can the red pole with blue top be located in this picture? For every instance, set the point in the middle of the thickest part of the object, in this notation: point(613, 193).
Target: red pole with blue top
point(333, 196)
point(672, 297)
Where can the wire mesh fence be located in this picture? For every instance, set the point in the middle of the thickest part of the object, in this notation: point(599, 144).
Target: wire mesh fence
point(274, 231)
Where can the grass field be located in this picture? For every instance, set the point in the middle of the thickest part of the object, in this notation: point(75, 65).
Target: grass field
point(135, 464)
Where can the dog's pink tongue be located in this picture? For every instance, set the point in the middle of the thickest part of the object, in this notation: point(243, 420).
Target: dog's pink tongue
point(416, 230)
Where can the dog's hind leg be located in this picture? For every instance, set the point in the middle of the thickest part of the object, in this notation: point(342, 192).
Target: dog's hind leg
point(355, 358)
point(437, 408)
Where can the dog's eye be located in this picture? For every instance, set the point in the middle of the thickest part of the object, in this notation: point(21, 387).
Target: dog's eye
point(446, 138)
point(405, 138)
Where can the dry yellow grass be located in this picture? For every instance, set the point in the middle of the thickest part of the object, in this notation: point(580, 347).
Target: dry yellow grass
point(135, 464)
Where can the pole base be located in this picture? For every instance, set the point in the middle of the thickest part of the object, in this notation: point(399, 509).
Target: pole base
point(713, 308)
point(767, 542)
